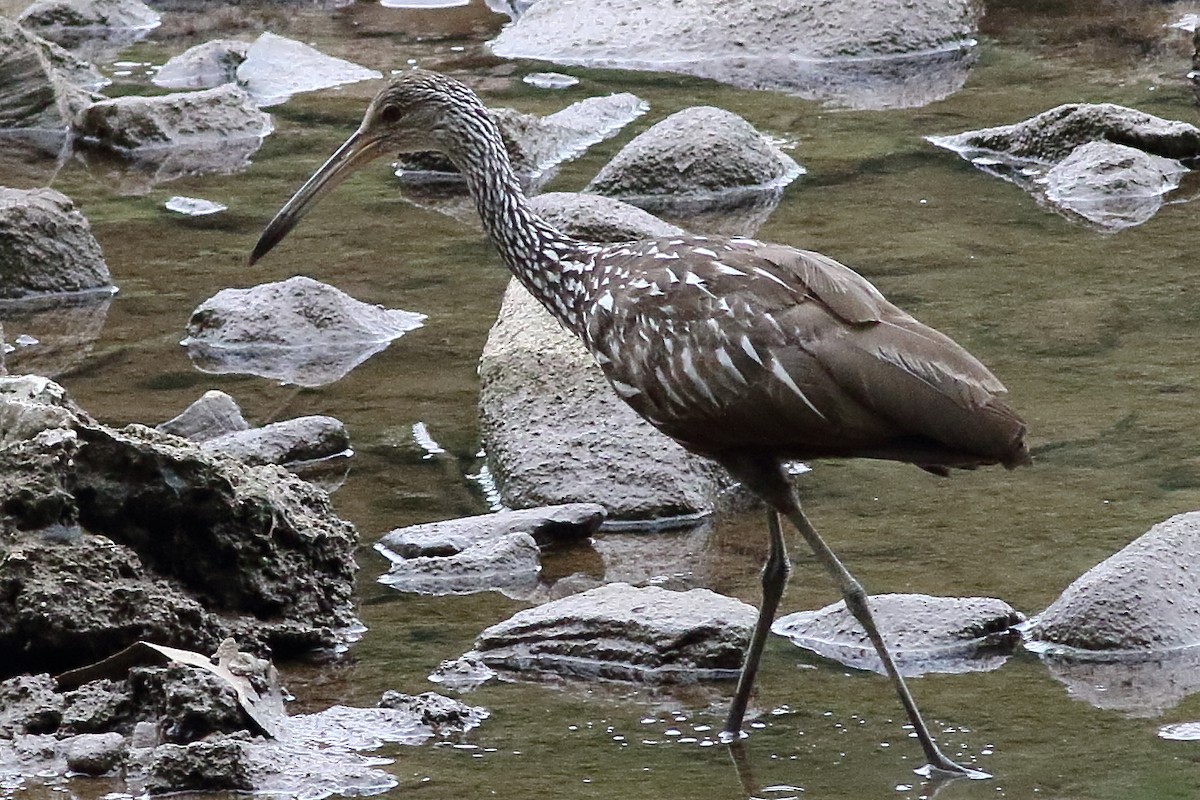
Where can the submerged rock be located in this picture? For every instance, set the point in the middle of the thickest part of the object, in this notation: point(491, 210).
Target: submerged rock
point(1105, 163)
point(858, 53)
point(92, 522)
point(508, 564)
point(923, 633)
point(547, 525)
point(296, 331)
point(1112, 185)
point(47, 246)
point(620, 632)
point(1143, 601)
point(697, 160)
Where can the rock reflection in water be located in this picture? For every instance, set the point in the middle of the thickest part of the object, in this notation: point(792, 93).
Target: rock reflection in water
point(1138, 687)
point(65, 328)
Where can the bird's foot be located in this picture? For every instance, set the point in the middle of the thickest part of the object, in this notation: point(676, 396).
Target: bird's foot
point(729, 737)
point(943, 769)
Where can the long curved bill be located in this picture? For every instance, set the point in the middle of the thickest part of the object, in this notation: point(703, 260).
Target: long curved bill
point(359, 149)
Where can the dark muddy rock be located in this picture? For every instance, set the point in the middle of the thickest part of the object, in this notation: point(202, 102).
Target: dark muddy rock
point(275, 68)
point(596, 218)
point(311, 438)
point(29, 704)
point(218, 764)
point(863, 54)
point(1112, 185)
point(214, 414)
point(508, 564)
point(924, 634)
point(555, 431)
point(1105, 163)
point(1142, 601)
point(92, 521)
point(204, 66)
point(620, 632)
point(698, 160)
point(547, 525)
point(58, 332)
point(209, 118)
point(95, 753)
point(295, 331)
point(47, 246)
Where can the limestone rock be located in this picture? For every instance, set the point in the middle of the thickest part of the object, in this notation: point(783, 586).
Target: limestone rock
point(47, 246)
point(547, 525)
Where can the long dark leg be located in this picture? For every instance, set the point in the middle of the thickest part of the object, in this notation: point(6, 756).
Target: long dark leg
point(771, 484)
point(774, 578)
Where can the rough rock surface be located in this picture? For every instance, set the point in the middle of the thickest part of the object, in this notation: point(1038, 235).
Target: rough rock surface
point(59, 19)
point(296, 331)
point(699, 151)
point(204, 66)
point(547, 525)
point(597, 218)
point(554, 430)
point(214, 414)
point(508, 564)
point(817, 48)
point(310, 438)
point(443, 715)
point(92, 522)
point(1112, 185)
point(621, 632)
point(1052, 135)
point(47, 246)
point(275, 68)
point(42, 86)
point(209, 118)
point(923, 633)
point(1144, 600)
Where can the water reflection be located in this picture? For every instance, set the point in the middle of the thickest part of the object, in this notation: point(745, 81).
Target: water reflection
point(1135, 686)
point(62, 331)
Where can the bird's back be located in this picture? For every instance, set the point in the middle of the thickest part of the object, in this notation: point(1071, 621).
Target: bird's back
point(732, 346)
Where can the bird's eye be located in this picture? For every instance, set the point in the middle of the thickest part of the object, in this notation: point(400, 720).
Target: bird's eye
point(389, 114)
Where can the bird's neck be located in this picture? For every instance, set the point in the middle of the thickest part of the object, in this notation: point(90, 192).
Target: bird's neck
point(543, 259)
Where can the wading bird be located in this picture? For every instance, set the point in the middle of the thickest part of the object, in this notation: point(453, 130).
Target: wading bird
point(748, 353)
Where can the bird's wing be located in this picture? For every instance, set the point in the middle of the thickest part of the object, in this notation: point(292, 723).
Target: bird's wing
point(848, 295)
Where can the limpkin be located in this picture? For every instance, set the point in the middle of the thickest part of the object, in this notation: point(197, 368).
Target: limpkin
point(751, 354)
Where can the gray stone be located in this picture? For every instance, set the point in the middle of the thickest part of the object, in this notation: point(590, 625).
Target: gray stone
point(295, 331)
point(275, 68)
point(1112, 185)
point(311, 438)
point(214, 414)
point(624, 633)
point(42, 86)
point(547, 525)
point(95, 753)
point(442, 714)
point(1141, 601)
point(923, 633)
point(596, 218)
point(29, 704)
point(47, 246)
point(210, 119)
point(462, 674)
point(863, 53)
point(51, 17)
point(203, 66)
point(555, 431)
point(508, 564)
point(1050, 136)
point(699, 152)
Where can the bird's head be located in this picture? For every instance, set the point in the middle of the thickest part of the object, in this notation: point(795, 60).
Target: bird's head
point(417, 110)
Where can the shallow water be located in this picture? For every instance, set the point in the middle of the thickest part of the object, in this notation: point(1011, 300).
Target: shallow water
point(1094, 334)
